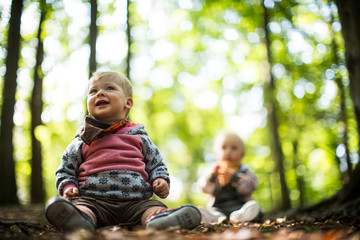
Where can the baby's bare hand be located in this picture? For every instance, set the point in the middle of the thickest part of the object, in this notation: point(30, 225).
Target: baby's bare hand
point(161, 187)
point(71, 192)
point(215, 171)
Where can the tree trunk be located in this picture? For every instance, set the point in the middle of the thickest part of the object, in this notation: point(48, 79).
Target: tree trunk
point(350, 20)
point(299, 177)
point(93, 37)
point(273, 121)
point(128, 34)
point(343, 118)
point(37, 191)
point(8, 188)
point(349, 16)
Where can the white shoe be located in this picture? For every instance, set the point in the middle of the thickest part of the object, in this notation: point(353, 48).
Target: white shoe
point(246, 213)
point(211, 215)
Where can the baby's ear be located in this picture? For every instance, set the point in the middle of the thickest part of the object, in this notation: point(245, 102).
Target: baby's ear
point(243, 154)
point(129, 103)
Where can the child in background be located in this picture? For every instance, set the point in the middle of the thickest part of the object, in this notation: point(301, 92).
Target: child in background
point(230, 183)
point(111, 169)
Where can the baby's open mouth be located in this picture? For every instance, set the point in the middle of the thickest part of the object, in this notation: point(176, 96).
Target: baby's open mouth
point(101, 103)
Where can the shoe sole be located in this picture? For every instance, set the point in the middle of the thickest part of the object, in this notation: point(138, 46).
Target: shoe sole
point(187, 217)
point(65, 216)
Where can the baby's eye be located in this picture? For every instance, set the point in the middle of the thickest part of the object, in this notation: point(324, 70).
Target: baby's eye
point(109, 88)
point(93, 91)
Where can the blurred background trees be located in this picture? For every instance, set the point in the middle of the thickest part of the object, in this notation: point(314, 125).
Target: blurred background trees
point(273, 71)
point(7, 164)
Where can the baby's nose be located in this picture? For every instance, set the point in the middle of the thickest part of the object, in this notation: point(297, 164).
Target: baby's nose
point(100, 93)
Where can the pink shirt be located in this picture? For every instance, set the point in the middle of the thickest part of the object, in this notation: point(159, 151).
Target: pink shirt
point(113, 152)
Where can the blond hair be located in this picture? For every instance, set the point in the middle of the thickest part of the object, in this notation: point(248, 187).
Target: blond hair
point(124, 81)
point(221, 136)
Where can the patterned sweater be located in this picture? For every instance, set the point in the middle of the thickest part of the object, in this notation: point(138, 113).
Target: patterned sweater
point(121, 165)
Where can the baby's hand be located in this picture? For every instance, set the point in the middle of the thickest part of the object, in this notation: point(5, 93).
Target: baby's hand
point(161, 187)
point(215, 171)
point(71, 192)
point(245, 185)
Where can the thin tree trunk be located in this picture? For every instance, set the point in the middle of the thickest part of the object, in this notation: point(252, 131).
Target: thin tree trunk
point(8, 188)
point(343, 118)
point(273, 121)
point(128, 34)
point(348, 11)
point(350, 19)
point(299, 177)
point(93, 37)
point(37, 191)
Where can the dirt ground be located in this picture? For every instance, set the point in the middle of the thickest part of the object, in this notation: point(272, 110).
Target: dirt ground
point(28, 222)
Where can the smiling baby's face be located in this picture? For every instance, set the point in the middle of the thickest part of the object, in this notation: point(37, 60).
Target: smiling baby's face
point(107, 101)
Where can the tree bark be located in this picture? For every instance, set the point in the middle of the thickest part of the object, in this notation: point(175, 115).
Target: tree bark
point(8, 188)
point(37, 191)
point(350, 20)
point(93, 37)
point(343, 118)
point(273, 121)
point(299, 177)
point(128, 34)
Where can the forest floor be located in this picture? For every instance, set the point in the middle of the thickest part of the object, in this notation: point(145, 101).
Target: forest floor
point(28, 222)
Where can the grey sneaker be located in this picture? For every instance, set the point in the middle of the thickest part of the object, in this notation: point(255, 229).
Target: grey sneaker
point(248, 212)
point(65, 216)
point(186, 216)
